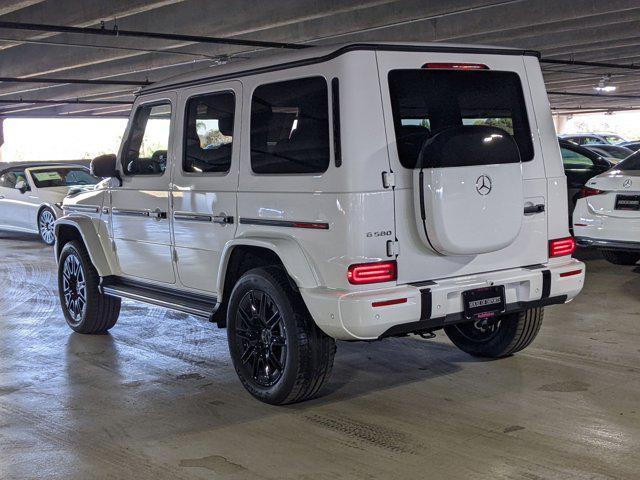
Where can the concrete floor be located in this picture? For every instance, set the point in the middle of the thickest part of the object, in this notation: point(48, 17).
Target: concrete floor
point(158, 398)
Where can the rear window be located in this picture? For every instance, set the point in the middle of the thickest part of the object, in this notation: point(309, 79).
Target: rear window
point(632, 162)
point(290, 127)
point(426, 102)
point(612, 151)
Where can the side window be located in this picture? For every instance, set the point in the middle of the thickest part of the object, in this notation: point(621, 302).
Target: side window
point(9, 179)
point(290, 127)
point(148, 142)
point(574, 160)
point(209, 133)
point(590, 140)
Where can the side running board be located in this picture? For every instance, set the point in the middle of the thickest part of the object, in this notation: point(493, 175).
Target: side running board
point(193, 304)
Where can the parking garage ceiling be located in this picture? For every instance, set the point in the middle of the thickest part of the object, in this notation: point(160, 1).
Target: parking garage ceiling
point(115, 65)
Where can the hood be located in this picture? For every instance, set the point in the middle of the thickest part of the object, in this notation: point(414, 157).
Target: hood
point(66, 190)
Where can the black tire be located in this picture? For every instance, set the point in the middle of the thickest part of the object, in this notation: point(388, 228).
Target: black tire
point(498, 337)
point(95, 313)
point(291, 339)
point(620, 257)
point(46, 218)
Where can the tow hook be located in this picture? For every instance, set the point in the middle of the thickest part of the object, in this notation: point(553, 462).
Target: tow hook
point(426, 335)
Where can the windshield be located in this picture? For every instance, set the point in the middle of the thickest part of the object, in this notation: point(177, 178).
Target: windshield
point(632, 162)
point(426, 102)
point(62, 177)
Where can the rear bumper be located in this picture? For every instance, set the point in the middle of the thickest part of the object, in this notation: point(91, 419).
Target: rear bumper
point(591, 227)
point(432, 305)
point(609, 244)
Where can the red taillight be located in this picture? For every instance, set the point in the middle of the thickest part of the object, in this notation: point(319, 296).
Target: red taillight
point(456, 66)
point(589, 192)
point(362, 273)
point(561, 247)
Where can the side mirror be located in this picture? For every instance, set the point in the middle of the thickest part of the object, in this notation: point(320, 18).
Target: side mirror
point(468, 145)
point(104, 166)
point(22, 186)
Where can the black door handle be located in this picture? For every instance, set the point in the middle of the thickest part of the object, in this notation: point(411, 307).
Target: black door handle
point(529, 209)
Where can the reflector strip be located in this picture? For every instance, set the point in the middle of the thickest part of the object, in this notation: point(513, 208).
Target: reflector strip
point(385, 303)
point(571, 273)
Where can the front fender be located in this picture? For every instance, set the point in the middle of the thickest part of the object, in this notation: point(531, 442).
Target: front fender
point(97, 247)
point(296, 263)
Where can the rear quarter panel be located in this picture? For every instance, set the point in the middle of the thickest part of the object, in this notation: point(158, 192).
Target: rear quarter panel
point(349, 198)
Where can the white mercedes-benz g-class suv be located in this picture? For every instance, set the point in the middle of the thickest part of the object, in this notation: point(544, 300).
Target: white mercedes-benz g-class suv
point(350, 192)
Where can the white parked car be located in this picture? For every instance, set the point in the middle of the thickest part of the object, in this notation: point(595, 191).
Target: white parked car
point(350, 192)
point(607, 216)
point(31, 195)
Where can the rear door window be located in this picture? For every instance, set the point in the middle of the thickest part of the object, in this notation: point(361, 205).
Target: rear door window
point(209, 133)
point(425, 102)
point(290, 127)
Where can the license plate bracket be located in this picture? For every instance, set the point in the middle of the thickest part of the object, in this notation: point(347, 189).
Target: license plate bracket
point(627, 202)
point(483, 302)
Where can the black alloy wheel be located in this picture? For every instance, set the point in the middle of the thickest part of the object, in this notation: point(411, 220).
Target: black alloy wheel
point(262, 338)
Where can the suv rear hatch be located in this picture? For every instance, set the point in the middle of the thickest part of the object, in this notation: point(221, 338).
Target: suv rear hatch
point(471, 191)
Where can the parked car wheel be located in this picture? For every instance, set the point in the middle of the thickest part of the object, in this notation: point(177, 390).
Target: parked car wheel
point(85, 308)
point(499, 336)
point(620, 257)
point(279, 353)
point(46, 219)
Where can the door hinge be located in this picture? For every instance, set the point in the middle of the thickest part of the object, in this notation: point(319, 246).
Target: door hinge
point(388, 179)
point(393, 248)
point(175, 256)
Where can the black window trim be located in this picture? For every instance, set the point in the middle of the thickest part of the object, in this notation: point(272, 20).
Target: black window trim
point(335, 110)
point(125, 145)
point(184, 133)
point(329, 111)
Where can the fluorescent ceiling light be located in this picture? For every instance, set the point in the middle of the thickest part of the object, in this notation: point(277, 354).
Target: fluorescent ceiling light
point(605, 88)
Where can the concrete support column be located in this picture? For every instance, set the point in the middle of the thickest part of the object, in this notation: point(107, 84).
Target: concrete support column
point(560, 122)
point(1, 136)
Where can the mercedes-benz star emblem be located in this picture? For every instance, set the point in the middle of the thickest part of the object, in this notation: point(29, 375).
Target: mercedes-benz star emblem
point(627, 183)
point(483, 185)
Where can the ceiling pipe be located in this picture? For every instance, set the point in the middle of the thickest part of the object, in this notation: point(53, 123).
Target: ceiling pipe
point(136, 83)
point(66, 102)
point(599, 95)
point(580, 63)
point(116, 32)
